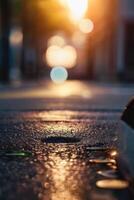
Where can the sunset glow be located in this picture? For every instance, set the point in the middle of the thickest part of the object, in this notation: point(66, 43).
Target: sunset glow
point(77, 8)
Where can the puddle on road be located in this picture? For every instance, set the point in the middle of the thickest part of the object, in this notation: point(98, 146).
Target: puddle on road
point(61, 172)
point(68, 174)
point(60, 139)
point(112, 184)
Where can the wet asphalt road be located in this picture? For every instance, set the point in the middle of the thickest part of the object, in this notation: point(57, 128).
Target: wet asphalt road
point(57, 143)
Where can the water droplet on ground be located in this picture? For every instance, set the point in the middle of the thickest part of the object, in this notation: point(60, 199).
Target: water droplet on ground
point(113, 153)
point(46, 185)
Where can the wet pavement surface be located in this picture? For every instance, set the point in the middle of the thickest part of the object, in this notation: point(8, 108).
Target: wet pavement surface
point(53, 154)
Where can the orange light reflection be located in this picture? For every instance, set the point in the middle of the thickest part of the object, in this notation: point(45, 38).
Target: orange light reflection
point(70, 89)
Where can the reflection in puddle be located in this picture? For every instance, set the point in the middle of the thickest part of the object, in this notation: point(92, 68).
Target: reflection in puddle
point(112, 184)
point(102, 161)
point(64, 176)
point(66, 173)
point(60, 174)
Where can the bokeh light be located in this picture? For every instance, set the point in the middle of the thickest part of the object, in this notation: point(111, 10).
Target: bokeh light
point(78, 39)
point(59, 75)
point(86, 26)
point(57, 41)
point(70, 56)
point(53, 55)
point(16, 37)
point(58, 56)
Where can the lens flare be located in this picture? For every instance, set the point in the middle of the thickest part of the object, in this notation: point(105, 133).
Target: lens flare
point(86, 26)
point(59, 75)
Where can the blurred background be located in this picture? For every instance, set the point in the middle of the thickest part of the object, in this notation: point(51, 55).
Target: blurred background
point(66, 39)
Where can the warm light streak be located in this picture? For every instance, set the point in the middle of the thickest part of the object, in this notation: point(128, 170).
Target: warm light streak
point(67, 89)
point(112, 184)
point(70, 89)
point(60, 173)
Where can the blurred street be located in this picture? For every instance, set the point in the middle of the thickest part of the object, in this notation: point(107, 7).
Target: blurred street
point(66, 77)
point(61, 141)
point(71, 95)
